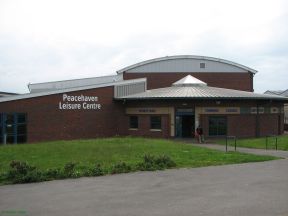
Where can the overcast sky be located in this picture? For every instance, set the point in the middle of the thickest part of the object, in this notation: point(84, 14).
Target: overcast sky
point(52, 40)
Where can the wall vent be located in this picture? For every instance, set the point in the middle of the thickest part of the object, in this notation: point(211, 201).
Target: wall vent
point(129, 89)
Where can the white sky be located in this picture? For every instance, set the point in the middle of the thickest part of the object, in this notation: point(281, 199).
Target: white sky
point(49, 40)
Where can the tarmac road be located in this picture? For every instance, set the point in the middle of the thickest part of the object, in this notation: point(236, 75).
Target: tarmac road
point(242, 189)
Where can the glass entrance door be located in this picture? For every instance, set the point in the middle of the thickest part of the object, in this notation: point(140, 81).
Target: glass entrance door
point(185, 123)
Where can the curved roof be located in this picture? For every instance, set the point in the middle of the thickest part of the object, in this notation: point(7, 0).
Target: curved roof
point(195, 57)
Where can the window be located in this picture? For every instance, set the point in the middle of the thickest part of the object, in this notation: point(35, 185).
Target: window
point(21, 128)
point(155, 122)
point(217, 126)
point(10, 128)
point(133, 122)
point(202, 65)
point(14, 126)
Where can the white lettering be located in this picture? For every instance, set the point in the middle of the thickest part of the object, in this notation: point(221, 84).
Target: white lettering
point(64, 97)
point(91, 106)
point(69, 106)
point(83, 102)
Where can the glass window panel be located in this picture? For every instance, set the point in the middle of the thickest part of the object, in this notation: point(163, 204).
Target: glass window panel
point(10, 119)
point(10, 129)
point(212, 126)
point(133, 121)
point(21, 129)
point(21, 117)
point(10, 139)
point(217, 126)
point(155, 122)
point(21, 139)
point(221, 127)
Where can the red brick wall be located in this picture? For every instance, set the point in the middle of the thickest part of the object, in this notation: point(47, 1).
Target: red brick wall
point(239, 81)
point(269, 124)
point(245, 125)
point(241, 126)
point(47, 122)
point(144, 127)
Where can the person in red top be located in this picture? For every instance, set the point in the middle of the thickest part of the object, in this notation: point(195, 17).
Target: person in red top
point(199, 132)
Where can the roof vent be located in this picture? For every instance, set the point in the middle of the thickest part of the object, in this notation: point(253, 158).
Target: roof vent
point(189, 81)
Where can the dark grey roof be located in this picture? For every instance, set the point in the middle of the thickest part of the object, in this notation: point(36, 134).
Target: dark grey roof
point(278, 92)
point(200, 92)
point(3, 94)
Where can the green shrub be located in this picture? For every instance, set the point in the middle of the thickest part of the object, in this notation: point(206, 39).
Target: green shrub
point(22, 172)
point(33, 176)
point(69, 170)
point(51, 174)
point(151, 163)
point(97, 170)
point(165, 161)
point(121, 167)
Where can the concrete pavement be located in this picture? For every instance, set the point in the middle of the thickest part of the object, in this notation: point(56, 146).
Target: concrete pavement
point(278, 153)
point(230, 190)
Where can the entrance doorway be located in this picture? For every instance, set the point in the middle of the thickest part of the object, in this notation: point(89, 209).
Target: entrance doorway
point(185, 123)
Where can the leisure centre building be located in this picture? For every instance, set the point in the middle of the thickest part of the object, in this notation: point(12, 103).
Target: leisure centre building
point(164, 97)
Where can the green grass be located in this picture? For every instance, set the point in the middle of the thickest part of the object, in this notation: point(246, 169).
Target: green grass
point(112, 150)
point(260, 143)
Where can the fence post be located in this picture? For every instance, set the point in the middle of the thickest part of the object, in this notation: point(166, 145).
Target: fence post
point(266, 142)
point(235, 142)
point(276, 143)
point(226, 143)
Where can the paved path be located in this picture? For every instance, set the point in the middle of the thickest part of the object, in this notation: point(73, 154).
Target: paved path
point(278, 153)
point(258, 189)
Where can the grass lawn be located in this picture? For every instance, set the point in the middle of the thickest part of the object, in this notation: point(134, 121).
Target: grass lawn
point(260, 143)
point(112, 150)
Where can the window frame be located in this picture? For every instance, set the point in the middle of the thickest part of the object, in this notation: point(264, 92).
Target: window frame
point(12, 135)
point(131, 127)
point(217, 119)
point(153, 123)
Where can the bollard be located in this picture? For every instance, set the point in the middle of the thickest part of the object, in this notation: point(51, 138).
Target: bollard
point(235, 142)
